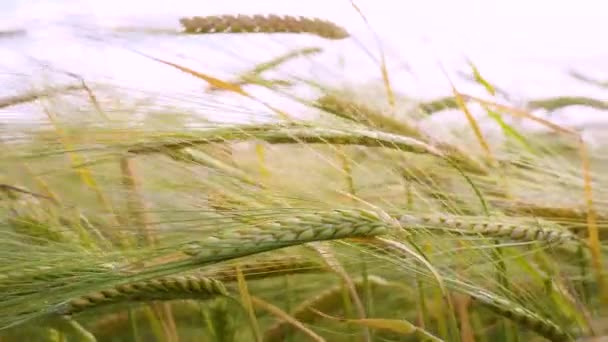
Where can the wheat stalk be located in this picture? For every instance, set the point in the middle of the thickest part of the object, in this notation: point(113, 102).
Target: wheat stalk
point(62, 282)
point(291, 134)
point(295, 230)
point(361, 113)
point(168, 288)
point(262, 24)
point(348, 109)
point(522, 316)
point(524, 231)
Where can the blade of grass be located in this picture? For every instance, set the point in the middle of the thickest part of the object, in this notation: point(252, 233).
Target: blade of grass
point(481, 80)
point(506, 128)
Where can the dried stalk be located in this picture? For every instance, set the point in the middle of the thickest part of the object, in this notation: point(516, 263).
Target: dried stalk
point(547, 211)
point(11, 189)
point(135, 203)
point(560, 102)
point(12, 33)
point(587, 79)
point(282, 314)
point(36, 95)
point(265, 268)
point(325, 301)
point(549, 104)
point(333, 263)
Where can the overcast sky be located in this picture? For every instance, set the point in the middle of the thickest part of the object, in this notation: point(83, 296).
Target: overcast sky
point(518, 43)
point(524, 46)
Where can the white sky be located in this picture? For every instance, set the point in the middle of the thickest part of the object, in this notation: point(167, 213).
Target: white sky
point(539, 27)
point(523, 46)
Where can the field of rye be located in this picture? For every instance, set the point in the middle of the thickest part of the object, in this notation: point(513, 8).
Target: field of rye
point(354, 215)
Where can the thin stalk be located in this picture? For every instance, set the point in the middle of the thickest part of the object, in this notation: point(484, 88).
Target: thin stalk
point(350, 289)
point(592, 228)
point(248, 305)
point(134, 328)
point(137, 211)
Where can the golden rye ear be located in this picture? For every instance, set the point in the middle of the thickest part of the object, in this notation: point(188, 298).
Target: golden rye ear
point(262, 24)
